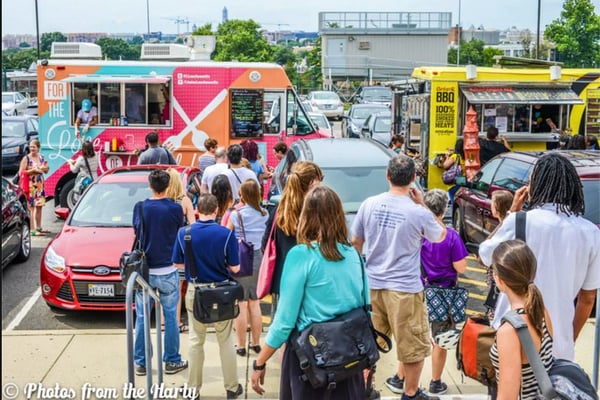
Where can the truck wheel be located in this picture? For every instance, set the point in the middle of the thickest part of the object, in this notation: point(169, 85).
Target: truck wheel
point(67, 195)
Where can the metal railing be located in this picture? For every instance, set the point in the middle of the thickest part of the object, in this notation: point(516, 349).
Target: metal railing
point(596, 362)
point(147, 292)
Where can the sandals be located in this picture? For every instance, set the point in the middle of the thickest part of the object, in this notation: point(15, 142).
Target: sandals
point(240, 351)
point(256, 348)
point(42, 231)
point(36, 233)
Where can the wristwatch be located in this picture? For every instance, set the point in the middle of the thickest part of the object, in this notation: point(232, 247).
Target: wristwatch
point(257, 367)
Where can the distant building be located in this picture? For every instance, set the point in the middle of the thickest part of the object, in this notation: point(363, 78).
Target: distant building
point(86, 37)
point(225, 15)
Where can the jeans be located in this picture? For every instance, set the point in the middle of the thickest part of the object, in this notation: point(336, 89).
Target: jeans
point(168, 290)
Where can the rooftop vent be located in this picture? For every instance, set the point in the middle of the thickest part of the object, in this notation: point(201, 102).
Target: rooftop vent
point(165, 51)
point(76, 50)
point(201, 47)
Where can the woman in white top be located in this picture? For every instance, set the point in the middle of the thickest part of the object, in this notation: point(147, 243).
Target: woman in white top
point(86, 165)
point(254, 220)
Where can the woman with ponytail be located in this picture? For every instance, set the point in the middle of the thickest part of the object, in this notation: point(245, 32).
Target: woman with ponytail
point(514, 267)
point(304, 176)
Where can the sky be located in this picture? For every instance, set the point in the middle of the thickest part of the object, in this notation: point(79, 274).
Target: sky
point(121, 16)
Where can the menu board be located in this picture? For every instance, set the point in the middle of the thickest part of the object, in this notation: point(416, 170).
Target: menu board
point(246, 112)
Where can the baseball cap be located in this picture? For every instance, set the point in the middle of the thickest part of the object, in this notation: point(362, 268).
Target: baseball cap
point(86, 105)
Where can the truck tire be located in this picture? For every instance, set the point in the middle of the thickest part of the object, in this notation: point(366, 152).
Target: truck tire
point(67, 195)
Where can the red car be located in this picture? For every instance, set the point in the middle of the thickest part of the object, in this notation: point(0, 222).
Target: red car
point(80, 267)
point(472, 209)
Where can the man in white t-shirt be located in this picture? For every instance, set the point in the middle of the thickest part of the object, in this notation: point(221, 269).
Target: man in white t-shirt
point(211, 172)
point(564, 243)
point(390, 228)
point(236, 172)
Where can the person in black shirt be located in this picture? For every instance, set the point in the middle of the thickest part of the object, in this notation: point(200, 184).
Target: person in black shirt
point(490, 147)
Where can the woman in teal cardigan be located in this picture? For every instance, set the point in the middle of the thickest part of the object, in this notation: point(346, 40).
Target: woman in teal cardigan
point(321, 279)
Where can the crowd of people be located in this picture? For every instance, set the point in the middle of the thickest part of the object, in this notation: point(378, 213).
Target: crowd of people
point(400, 234)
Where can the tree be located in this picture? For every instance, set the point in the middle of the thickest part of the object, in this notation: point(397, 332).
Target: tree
point(17, 59)
point(313, 60)
point(488, 56)
point(136, 40)
point(576, 34)
point(50, 37)
point(118, 49)
point(204, 30)
point(241, 40)
point(474, 52)
point(282, 55)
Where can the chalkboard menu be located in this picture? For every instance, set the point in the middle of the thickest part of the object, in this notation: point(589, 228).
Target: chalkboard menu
point(246, 112)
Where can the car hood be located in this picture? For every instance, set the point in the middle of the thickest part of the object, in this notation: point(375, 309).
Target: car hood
point(92, 246)
point(7, 106)
point(12, 141)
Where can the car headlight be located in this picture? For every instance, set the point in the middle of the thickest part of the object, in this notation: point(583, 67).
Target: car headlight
point(53, 261)
point(354, 128)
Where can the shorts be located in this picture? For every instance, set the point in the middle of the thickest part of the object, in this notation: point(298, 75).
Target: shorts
point(439, 327)
point(404, 315)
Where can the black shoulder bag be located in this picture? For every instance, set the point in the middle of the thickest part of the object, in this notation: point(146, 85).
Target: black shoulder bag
point(213, 302)
point(135, 260)
point(333, 351)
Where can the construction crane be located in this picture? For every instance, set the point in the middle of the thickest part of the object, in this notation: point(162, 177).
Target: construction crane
point(179, 21)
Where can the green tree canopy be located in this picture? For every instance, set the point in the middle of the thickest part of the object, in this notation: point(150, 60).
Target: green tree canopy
point(15, 59)
point(576, 34)
point(241, 40)
point(282, 55)
point(136, 40)
point(473, 52)
point(204, 30)
point(50, 37)
point(117, 49)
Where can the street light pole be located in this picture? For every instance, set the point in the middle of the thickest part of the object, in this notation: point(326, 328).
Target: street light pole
point(37, 29)
point(537, 41)
point(459, 35)
point(148, 16)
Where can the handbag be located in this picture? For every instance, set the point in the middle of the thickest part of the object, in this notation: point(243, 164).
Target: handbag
point(267, 265)
point(446, 303)
point(83, 181)
point(135, 260)
point(333, 351)
point(246, 251)
point(213, 302)
point(473, 350)
point(449, 175)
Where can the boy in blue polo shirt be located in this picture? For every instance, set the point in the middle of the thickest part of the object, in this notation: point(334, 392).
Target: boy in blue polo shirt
point(216, 255)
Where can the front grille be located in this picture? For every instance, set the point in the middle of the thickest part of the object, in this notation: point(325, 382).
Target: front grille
point(89, 270)
point(81, 289)
point(64, 293)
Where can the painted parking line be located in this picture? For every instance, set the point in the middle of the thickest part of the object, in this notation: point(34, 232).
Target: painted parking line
point(23, 311)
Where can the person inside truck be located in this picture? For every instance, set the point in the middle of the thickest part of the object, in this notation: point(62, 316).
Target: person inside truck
point(87, 115)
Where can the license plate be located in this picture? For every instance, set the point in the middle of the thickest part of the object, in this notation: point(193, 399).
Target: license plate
point(328, 106)
point(100, 290)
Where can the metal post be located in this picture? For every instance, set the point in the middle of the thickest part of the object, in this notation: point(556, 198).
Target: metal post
point(37, 29)
point(129, 295)
point(148, 16)
point(537, 41)
point(596, 363)
point(459, 35)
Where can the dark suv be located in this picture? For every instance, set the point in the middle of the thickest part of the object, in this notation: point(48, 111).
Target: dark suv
point(472, 215)
point(374, 95)
point(16, 134)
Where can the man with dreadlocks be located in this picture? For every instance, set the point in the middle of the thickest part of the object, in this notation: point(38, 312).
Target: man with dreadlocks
point(564, 243)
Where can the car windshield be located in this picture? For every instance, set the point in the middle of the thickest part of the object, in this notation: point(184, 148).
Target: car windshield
point(13, 129)
point(320, 120)
point(591, 188)
point(325, 96)
point(364, 112)
point(7, 98)
point(383, 124)
point(378, 94)
point(109, 204)
point(355, 184)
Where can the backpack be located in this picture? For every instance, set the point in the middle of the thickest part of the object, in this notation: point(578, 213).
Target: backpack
point(473, 350)
point(565, 380)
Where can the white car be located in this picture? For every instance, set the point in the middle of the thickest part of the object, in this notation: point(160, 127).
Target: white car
point(322, 122)
point(327, 102)
point(14, 103)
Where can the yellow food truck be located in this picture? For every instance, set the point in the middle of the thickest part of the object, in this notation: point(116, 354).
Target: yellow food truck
point(531, 107)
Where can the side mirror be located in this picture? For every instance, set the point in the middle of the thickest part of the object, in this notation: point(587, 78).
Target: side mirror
point(62, 212)
point(472, 248)
point(32, 134)
point(461, 181)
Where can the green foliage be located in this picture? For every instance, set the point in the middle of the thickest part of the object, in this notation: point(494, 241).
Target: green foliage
point(576, 34)
point(241, 40)
point(204, 30)
point(313, 60)
point(50, 37)
point(283, 55)
point(488, 56)
point(473, 52)
point(118, 49)
point(16, 59)
point(136, 40)
point(24, 45)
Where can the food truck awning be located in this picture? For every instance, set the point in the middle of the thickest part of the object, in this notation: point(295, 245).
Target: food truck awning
point(520, 95)
point(92, 78)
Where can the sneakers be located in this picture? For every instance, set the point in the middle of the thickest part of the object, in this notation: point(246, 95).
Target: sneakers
point(234, 395)
point(420, 395)
point(175, 367)
point(140, 370)
point(395, 384)
point(240, 351)
point(437, 387)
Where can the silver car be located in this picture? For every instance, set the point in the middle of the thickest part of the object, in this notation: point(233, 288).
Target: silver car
point(327, 102)
point(14, 103)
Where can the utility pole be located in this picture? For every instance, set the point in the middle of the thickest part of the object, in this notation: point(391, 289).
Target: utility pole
point(37, 29)
point(458, 33)
point(537, 40)
point(148, 16)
